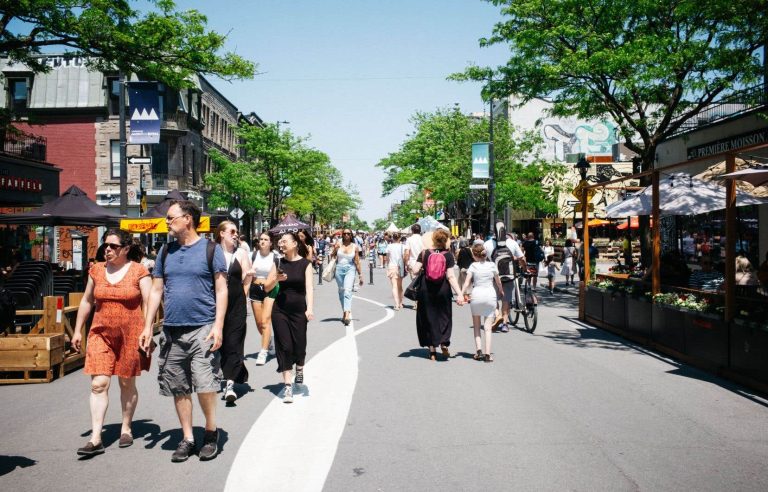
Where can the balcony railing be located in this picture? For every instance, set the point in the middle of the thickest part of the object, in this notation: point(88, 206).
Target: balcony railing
point(176, 120)
point(728, 107)
point(24, 145)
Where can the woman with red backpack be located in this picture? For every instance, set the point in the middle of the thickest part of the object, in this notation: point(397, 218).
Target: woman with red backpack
point(434, 317)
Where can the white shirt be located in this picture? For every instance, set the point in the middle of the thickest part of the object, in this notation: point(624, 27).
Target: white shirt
point(262, 264)
point(415, 246)
point(489, 245)
point(514, 247)
point(395, 254)
point(483, 273)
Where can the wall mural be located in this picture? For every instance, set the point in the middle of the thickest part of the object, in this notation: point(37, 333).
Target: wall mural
point(593, 139)
point(568, 181)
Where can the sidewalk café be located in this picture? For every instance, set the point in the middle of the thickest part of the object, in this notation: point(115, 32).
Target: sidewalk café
point(703, 297)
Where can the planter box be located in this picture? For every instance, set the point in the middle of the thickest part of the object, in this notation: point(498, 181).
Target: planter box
point(668, 327)
point(593, 303)
point(706, 338)
point(614, 310)
point(749, 349)
point(31, 352)
point(639, 318)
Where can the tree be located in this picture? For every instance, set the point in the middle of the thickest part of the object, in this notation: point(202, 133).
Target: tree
point(357, 224)
point(160, 44)
point(380, 224)
point(235, 178)
point(650, 66)
point(437, 158)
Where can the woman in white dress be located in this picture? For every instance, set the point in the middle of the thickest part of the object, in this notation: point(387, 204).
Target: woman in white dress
point(486, 285)
point(396, 269)
point(569, 269)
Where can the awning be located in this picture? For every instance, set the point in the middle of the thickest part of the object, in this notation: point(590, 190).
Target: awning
point(158, 226)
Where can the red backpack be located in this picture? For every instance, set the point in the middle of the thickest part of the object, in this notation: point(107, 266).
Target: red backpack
point(436, 266)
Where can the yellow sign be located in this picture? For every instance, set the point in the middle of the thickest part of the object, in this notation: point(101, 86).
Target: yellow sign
point(158, 225)
point(579, 189)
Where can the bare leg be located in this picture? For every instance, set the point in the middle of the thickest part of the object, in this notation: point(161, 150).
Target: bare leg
point(400, 291)
point(476, 328)
point(395, 292)
point(184, 411)
point(488, 330)
point(129, 398)
point(287, 377)
point(99, 402)
point(208, 405)
point(266, 322)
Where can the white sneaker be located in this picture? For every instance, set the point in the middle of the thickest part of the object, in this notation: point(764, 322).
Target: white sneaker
point(229, 393)
point(271, 349)
point(261, 359)
point(288, 394)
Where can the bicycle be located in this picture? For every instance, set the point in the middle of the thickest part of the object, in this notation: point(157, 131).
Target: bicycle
point(529, 308)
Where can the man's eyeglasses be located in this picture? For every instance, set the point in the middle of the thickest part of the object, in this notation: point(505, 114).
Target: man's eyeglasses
point(170, 220)
point(113, 246)
point(233, 231)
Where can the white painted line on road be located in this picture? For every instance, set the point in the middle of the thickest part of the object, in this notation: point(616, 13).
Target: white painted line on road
point(389, 316)
point(292, 447)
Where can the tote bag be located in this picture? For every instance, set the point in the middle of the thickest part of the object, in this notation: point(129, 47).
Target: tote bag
point(330, 270)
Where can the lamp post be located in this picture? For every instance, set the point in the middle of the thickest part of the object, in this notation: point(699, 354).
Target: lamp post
point(582, 166)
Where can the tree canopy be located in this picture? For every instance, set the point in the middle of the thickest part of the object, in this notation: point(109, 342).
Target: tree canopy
point(437, 158)
point(649, 65)
point(280, 173)
point(162, 43)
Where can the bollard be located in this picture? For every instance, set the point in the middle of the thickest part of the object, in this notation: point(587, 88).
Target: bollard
point(320, 273)
point(371, 265)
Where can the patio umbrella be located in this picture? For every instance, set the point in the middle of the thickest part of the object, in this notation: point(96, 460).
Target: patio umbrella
point(593, 223)
point(754, 175)
point(73, 208)
point(289, 224)
point(679, 194)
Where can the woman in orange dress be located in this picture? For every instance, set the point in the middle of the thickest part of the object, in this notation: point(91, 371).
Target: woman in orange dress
point(118, 289)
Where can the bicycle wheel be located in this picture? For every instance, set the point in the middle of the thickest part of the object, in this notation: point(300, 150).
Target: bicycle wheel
point(517, 316)
point(531, 317)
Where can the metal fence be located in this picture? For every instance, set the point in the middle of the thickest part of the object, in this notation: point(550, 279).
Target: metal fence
point(727, 107)
point(23, 145)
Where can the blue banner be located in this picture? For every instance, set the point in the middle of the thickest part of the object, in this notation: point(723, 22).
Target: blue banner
point(480, 160)
point(144, 112)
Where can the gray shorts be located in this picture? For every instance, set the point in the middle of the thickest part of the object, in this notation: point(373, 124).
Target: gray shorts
point(186, 363)
point(509, 291)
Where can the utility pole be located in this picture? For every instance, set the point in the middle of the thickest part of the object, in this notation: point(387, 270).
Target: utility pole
point(491, 181)
point(123, 144)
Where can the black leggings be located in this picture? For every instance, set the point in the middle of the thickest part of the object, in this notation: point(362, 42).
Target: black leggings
point(290, 332)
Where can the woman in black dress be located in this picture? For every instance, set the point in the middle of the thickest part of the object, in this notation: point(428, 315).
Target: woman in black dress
point(434, 318)
point(292, 311)
point(238, 281)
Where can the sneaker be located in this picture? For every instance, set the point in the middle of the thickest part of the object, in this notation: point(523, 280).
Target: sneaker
point(288, 394)
point(271, 349)
point(261, 359)
point(91, 449)
point(210, 445)
point(229, 393)
point(183, 451)
point(504, 328)
point(299, 376)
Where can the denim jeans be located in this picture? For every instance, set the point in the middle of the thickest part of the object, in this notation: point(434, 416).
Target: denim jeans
point(345, 279)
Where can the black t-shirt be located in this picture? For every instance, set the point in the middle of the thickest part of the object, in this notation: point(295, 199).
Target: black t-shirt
point(529, 246)
point(464, 258)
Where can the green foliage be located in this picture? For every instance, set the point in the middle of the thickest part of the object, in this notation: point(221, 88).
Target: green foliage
point(161, 44)
point(235, 178)
point(438, 155)
point(356, 223)
point(649, 65)
point(380, 224)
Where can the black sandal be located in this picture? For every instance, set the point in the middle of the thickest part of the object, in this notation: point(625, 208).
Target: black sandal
point(479, 355)
point(487, 358)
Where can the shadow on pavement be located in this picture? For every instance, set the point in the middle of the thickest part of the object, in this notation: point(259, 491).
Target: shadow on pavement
point(139, 428)
point(589, 338)
point(275, 389)
point(10, 463)
point(422, 353)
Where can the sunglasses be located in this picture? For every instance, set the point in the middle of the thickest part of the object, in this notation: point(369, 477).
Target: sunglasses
point(112, 246)
point(171, 219)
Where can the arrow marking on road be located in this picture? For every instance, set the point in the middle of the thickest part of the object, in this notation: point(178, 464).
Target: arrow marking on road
point(303, 437)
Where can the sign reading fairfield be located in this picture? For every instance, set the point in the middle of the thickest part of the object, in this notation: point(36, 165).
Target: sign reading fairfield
point(144, 108)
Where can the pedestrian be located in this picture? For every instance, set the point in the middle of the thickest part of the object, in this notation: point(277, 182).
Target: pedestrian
point(533, 256)
point(626, 249)
point(551, 270)
point(190, 276)
point(117, 289)
point(486, 289)
point(569, 269)
point(413, 247)
point(292, 311)
point(242, 243)
point(396, 269)
point(305, 237)
point(434, 319)
point(508, 257)
point(548, 248)
point(381, 250)
point(347, 264)
point(463, 259)
point(238, 281)
point(262, 293)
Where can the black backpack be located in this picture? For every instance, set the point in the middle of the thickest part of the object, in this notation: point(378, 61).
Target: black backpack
point(502, 256)
point(7, 310)
point(539, 254)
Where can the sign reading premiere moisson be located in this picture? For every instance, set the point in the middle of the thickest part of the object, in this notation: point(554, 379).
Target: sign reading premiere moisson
point(729, 144)
point(144, 108)
point(480, 160)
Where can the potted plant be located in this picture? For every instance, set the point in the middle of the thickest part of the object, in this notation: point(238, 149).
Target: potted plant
point(593, 300)
point(614, 304)
point(667, 321)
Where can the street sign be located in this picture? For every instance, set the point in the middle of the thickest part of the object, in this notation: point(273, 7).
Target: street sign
point(139, 160)
point(578, 190)
point(478, 186)
point(590, 208)
point(236, 213)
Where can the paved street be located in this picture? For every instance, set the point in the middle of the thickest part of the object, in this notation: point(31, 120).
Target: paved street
point(567, 408)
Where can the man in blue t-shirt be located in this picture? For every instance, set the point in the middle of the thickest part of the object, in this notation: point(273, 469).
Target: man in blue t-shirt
point(195, 296)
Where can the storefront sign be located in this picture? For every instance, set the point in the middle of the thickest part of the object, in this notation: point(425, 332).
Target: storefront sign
point(729, 144)
point(144, 109)
point(20, 184)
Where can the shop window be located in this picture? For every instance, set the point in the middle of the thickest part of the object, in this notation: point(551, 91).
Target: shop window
point(18, 100)
point(160, 159)
point(114, 159)
point(113, 95)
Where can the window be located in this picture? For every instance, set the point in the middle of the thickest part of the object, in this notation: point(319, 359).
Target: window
point(19, 95)
point(113, 95)
point(184, 160)
point(114, 159)
point(160, 159)
point(195, 170)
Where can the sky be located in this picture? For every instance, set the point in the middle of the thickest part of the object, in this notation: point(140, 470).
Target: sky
point(350, 74)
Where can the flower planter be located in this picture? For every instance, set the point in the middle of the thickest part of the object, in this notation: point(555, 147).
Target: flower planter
point(614, 310)
point(667, 327)
point(639, 318)
point(749, 349)
point(593, 303)
point(706, 338)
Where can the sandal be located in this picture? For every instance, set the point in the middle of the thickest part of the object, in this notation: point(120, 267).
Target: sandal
point(445, 351)
point(433, 356)
point(479, 355)
point(488, 358)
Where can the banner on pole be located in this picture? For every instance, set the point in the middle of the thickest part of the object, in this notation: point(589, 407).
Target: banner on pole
point(144, 108)
point(480, 160)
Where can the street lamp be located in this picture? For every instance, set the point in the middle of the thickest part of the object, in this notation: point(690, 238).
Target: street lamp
point(582, 166)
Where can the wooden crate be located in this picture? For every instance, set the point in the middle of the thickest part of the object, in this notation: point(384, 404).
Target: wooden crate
point(30, 358)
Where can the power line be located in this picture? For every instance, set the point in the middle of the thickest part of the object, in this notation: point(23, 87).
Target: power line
point(341, 79)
